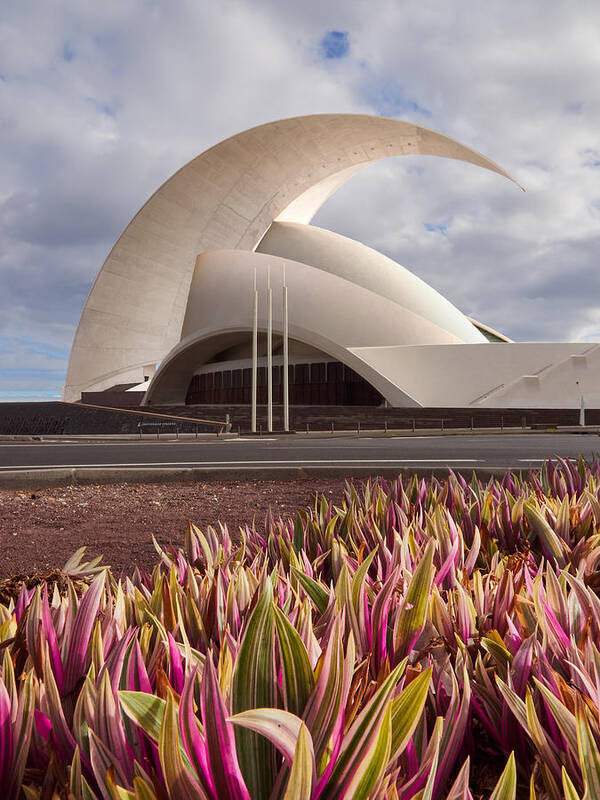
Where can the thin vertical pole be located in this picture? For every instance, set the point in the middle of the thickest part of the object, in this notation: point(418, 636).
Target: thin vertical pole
point(286, 396)
point(254, 354)
point(269, 351)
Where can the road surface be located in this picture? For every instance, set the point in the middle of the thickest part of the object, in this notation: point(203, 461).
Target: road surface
point(497, 452)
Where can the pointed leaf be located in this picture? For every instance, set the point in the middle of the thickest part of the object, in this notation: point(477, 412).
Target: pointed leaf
point(506, 788)
point(220, 739)
point(254, 686)
point(568, 788)
point(301, 778)
point(412, 615)
point(178, 780)
point(589, 758)
point(407, 709)
point(298, 676)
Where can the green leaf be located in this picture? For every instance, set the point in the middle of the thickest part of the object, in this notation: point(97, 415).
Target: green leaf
point(567, 724)
point(359, 576)
point(300, 782)
point(366, 746)
point(324, 713)
point(589, 758)
point(373, 762)
point(545, 746)
point(515, 703)
point(568, 789)
point(146, 710)
point(278, 726)
point(430, 785)
point(299, 680)
point(103, 763)
point(86, 792)
point(178, 779)
point(314, 590)
point(494, 645)
point(411, 617)
point(553, 545)
point(506, 788)
point(75, 775)
point(407, 709)
point(254, 685)
point(298, 540)
point(124, 794)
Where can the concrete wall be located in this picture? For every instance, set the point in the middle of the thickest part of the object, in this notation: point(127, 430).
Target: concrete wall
point(519, 375)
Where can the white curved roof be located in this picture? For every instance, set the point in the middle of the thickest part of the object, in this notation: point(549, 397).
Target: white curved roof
point(227, 197)
point(363, 266)
point(327, 312)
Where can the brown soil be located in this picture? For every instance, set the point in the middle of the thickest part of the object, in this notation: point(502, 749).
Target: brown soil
point(40, 530)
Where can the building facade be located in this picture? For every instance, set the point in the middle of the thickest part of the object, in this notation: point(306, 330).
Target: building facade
point(171, 310)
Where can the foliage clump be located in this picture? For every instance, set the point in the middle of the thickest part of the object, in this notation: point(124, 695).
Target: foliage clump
point(396, 646)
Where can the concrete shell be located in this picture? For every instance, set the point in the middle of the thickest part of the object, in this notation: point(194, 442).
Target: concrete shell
point(228, 198)
point(327, 311)
point(365, 267)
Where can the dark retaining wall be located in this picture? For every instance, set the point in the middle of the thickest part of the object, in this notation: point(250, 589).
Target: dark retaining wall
point(47, 419)
point(348, 417)
point(74, 418)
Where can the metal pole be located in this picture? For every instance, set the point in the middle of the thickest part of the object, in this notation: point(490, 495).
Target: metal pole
point(286, 396)
point(269, 352)
point(254, 354)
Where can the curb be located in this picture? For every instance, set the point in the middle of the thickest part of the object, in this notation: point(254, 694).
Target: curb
point(47, 478)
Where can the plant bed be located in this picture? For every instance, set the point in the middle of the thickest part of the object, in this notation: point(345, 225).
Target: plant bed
point(41, 528)
point(417, 639)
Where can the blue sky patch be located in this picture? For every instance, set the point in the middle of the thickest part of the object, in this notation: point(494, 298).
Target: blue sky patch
point(437, 228)
point(103, 108)
point(335, 44)
point(68, 53)
point(574, 108)
point(591, 158)
point(390, 99)
point(39, 348)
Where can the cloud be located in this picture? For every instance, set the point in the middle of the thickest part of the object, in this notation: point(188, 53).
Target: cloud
point(99, 105)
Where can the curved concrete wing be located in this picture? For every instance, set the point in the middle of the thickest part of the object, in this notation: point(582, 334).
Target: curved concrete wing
point(363, 266)
point(488, 333)
point(227, 197)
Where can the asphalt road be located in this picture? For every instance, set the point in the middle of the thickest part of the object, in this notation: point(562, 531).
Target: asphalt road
point(503, 451)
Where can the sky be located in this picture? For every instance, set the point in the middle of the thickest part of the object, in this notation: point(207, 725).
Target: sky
point(102, 100)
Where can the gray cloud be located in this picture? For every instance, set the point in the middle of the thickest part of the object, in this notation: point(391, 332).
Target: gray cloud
point(100, 104)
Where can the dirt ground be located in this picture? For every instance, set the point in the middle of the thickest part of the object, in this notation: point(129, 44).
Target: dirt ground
point(41, 529)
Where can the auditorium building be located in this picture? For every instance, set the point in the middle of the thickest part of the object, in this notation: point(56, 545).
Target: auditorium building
point(171, 313)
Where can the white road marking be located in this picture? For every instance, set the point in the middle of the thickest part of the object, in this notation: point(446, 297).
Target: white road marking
point(410, 438)
point(251, 439)
point(249, 463)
